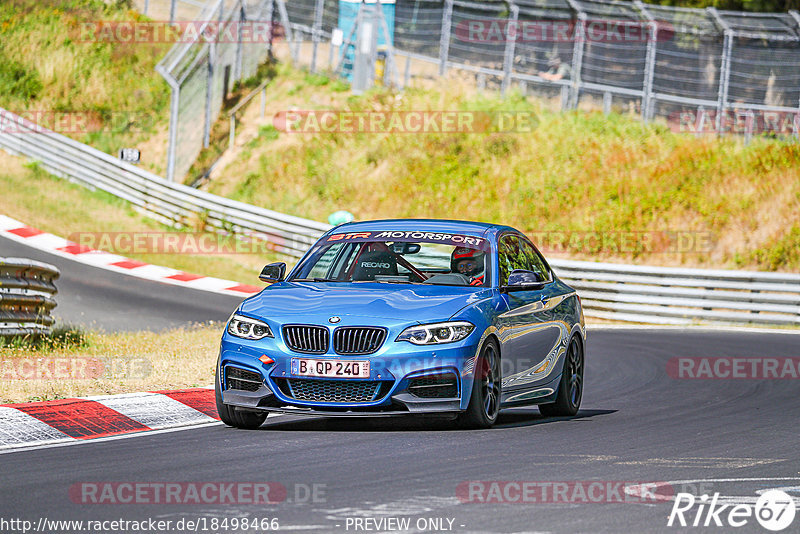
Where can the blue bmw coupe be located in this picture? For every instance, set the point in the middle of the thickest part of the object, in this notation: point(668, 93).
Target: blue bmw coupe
point(405, 317)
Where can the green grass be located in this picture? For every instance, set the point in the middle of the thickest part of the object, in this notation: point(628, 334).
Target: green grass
point(116, 362)
point(63, 336)
point(573, 172)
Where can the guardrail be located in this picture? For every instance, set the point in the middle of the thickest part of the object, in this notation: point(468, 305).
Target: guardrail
point(611, 291)
point(667, 295)
point(27, 293)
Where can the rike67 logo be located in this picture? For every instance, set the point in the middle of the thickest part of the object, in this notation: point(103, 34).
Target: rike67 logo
point(774, 510)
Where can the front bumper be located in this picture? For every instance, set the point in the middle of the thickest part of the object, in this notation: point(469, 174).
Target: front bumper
point(404, 379)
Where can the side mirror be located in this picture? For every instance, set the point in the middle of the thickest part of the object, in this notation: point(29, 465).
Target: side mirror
point(274, 272)
point(521, 280)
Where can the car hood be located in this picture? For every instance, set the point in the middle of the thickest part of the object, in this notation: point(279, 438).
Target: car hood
point(317, 301)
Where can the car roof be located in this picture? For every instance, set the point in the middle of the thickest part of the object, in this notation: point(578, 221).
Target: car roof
point(423, 225)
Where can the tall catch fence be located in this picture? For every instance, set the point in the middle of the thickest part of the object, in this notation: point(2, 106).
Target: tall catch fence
point(704, 70)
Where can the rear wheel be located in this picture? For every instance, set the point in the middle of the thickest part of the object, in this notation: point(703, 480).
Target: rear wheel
point(570, 389)
point(233, 417)
point(484, 402)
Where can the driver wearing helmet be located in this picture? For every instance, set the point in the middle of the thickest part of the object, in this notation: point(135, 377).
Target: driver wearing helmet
point(469, 262)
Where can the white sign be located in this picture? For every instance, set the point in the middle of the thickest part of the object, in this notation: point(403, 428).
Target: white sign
point(130, 155)
point(337, 37)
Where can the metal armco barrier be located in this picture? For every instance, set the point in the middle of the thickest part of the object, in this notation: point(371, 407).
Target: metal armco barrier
point(27, 292)
point(612, 291)
point(666, 295)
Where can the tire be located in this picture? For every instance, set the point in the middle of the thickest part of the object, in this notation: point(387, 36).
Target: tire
point(484, 401)
point(233, 417)
point(570, 388)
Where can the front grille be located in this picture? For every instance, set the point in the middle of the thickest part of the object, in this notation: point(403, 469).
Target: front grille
point(236, 378)
point(333, 390)
point(358, 339)
point(444, 386)
point(307, 339)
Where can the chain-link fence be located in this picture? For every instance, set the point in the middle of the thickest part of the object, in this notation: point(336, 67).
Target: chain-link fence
point(703, 70)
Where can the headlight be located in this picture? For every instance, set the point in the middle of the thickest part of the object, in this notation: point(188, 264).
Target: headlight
point(247, 328)
point(431, 334)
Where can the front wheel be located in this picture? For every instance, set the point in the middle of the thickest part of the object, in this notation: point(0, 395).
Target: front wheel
point(484, 402)
point(570, 389)
point(233, 417)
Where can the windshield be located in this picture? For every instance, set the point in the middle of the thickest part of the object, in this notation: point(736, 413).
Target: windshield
point(398, 258)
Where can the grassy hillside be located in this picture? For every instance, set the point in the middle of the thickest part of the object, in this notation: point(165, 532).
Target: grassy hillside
point(48, 65)
point(573, 173)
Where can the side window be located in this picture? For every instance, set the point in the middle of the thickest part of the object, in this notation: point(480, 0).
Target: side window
point(509, 257)
point(533, 261)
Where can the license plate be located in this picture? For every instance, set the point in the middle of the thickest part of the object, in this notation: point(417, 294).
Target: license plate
point(330, 368)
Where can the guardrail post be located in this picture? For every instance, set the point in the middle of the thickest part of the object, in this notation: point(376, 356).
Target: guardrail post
point(577, 54)
point(316, 33)
point(287, 29)
point(172, 147)
point(650, 61)
point(444, 40)
point(796, 124)
point(508, 57)
point(270, 17)
point(237, 75)
point(212, 51)
point(700, 121)
point(263, 101)
point(748, 126)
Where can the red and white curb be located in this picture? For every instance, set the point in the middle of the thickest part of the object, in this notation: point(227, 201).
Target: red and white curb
point(17, 231)
point(71, 420)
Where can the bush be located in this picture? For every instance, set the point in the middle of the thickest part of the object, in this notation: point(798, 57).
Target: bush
point(18, 81)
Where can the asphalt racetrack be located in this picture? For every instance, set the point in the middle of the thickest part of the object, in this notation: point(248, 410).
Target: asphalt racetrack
point(637, 424)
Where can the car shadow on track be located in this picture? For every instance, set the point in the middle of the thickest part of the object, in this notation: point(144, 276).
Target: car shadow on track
point(530, 416)
point(513, 418)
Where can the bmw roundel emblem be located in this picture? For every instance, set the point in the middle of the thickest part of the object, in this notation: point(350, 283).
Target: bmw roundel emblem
point(334, 319)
